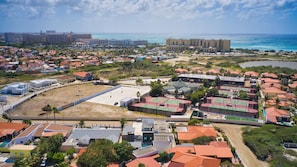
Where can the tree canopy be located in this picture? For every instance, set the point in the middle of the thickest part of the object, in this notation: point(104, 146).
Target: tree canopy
point(156, 89)
point(103, 152)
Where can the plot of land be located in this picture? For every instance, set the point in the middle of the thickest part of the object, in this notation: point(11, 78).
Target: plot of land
point(57, 97)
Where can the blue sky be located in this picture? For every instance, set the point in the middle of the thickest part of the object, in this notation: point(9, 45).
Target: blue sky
point(150, 16)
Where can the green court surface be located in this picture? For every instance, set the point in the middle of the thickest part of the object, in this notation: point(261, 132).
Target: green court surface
point(156, 107)
point(235, 88)
point(212, 106)
point(235, 102)
point(229, 117)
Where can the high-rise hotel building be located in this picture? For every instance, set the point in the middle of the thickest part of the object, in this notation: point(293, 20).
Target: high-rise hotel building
point(207, 45)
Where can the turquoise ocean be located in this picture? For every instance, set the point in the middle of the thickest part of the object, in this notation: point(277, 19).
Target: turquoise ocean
point(285, 42)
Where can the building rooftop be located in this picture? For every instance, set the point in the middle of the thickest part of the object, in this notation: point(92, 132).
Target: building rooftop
point(212, 77)
point(22, 147)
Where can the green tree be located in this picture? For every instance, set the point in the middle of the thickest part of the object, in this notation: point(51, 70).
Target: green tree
point(164, 157)
point(55, 110)
point(58, 157)
point(123, 121)
point(196, 96)
point(81, 123)
point(284, 81)
point(99, 154)
point(141, 165)
point(203, 140)
point(217, 81)
point(213, 92)
point(123, 151)
point(27, 121)
point(156, 89)
point(243, 95)
point(139, 81)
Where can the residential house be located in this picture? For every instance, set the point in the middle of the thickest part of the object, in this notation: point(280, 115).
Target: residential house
point(37, 131)
point(190, 160)
point(187, 134)
point(84, 76)
point(20, 151)
point(84, 136)
point(251, 74)
point(269, 75)
point(146, 161)
point(181, 71)
point(277, 116)
point(9, 130)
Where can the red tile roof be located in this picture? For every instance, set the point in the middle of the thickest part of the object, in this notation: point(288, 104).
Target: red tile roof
point(181, 70)
point(81, 74)
point(269, 80)
point(213, 151)
point(273, 112)
point(190, 160)
point(11, 125)
point(147, 161)
point(196, 131)
point(269, 75)
point(251, 73)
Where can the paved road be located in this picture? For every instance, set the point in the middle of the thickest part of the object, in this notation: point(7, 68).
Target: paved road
point(234, 134)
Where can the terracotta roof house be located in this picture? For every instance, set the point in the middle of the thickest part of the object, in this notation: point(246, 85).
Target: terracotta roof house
point(213, 71)
point(293, 85)
point(181, 71)
point(214, 151)
point(234, 72)
point(274, 115)
point(84, 76)
point(251, 74)
point(294, 77)
point(197, 70)
point(272, 92)
point(269, 75)
point(190, 160)
point(194, 132)
point(147, 161)
point(10, 129)
point(269, 80)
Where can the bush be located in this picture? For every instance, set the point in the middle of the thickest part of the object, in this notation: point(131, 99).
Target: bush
point(58, 157)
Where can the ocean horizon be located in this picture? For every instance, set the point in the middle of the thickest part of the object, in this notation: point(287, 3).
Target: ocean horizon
point(277, 42)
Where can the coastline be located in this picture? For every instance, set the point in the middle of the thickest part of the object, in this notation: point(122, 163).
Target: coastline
point(262, 42)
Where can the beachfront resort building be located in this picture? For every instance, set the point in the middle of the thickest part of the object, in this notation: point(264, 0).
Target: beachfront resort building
point(207, 45)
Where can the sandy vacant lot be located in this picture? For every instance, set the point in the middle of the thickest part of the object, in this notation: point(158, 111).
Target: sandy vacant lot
point(234, 134)
point(96, 107)
point(57, 97)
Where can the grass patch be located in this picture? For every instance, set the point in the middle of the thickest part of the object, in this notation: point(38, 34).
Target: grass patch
point(267, 143)
point(229, 117)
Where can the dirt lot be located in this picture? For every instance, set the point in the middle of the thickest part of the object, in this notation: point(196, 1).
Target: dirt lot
point(57, 97)
point(65, 95)
point(234, 134)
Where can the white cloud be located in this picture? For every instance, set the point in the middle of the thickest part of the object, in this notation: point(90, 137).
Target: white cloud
point(180, 9)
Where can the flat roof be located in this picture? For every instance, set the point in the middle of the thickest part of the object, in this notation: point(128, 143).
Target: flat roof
point(22, 147)
point(212, 77)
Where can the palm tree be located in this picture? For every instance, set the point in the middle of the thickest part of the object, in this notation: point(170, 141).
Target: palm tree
point(55, 110)
point(81, 123)
point(123, 121)
point(138, 96)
